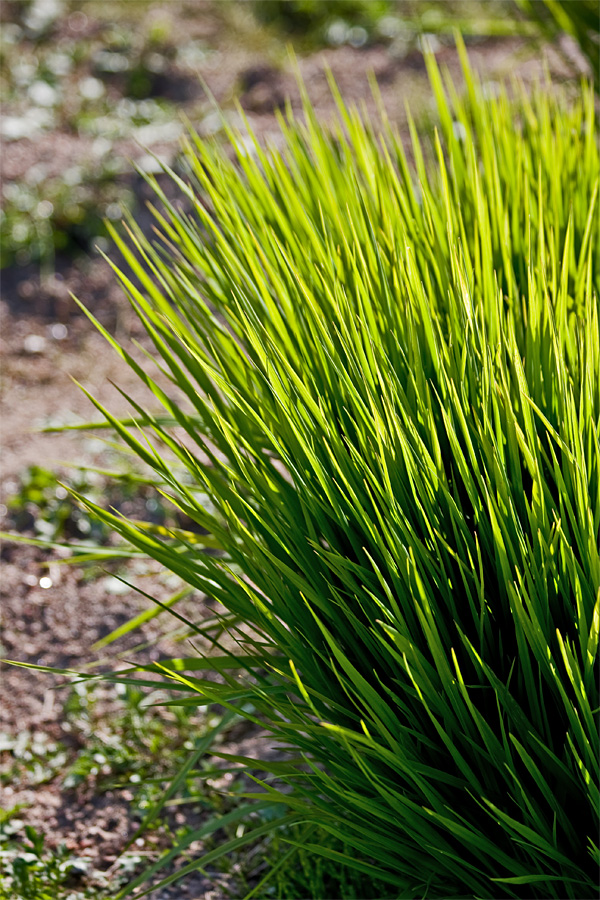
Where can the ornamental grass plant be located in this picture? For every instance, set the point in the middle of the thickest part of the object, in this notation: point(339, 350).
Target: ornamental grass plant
point(384, 418)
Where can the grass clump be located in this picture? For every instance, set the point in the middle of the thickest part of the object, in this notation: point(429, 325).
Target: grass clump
point(384, 417)
point(293, 871)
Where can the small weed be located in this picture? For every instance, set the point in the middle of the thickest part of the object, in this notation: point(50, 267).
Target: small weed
point(46, 214)
point(123, 741)
point(30, 759)
point(41, 504)
point(10, 824)
point(30, 871)
point(124, 744)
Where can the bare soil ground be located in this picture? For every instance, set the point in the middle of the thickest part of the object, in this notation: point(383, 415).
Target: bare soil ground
point(57, 626)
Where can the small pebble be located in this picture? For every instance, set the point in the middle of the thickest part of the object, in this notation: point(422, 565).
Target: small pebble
point(91, 88)
point(34, 343)
point(42, 94)
point(58, 331)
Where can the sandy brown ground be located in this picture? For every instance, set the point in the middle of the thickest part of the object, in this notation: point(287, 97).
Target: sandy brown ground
point(57, 626)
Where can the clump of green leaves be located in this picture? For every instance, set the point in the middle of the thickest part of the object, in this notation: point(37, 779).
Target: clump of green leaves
point(129, 742)
point(31, 869)
point(37, 873)
point(42, 504)
point(384, 378)
point(29, 759)
point(44, 215)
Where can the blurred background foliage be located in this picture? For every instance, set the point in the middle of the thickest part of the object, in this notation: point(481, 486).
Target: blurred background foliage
point(578, 18)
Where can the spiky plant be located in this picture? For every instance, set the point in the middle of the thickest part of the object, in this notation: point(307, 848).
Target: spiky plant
point(384, 415)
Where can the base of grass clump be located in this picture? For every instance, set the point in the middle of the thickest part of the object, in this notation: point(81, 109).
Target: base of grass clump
point(384, 419)
point(292, 870)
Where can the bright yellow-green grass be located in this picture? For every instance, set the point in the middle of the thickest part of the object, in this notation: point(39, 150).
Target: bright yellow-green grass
point(384, 415)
